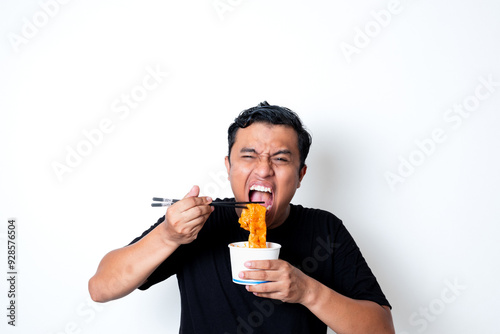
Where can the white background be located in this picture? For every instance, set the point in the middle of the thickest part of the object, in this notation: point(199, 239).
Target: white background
point(65, 69)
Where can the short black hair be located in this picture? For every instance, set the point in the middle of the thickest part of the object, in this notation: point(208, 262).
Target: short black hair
point(276, 115)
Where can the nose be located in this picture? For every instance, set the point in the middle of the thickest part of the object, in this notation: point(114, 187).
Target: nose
point(264, 167)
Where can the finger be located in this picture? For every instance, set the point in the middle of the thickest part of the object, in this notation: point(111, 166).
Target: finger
point(184, 216)
point(197, 222)
point(195, 212)
point(264, 264)
point(270, 290)
point(266, 289)
point(260, 275)
point(189, 228)
point(194, 192)
point(190, 202)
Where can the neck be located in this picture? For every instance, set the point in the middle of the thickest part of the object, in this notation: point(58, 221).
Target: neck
point(278, 221)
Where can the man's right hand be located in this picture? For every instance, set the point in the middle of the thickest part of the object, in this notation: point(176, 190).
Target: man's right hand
point(184, 219)
point(123, 270)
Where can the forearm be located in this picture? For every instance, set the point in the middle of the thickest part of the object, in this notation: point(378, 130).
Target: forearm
point(123, 270)
point(345, 315)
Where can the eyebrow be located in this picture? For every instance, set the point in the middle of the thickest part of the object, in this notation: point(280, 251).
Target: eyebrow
point(248, 150)
point(252, 150)
point(282, 152)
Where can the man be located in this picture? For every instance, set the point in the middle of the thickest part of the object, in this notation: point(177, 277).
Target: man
point(320, 280)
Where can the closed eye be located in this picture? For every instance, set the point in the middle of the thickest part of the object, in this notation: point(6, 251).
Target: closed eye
point(281, 159)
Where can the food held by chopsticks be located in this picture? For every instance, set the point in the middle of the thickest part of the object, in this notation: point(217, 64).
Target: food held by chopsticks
point(253, 219)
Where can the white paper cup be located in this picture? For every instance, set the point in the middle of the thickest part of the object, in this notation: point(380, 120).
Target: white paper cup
point(241, 253)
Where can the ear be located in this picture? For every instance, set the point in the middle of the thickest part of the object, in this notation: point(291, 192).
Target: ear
point(302, 173)
point(228, 165)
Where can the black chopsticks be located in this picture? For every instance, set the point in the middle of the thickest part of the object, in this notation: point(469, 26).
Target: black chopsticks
point(169, 202)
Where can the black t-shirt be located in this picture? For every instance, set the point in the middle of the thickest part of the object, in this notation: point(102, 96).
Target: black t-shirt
point(313, 240)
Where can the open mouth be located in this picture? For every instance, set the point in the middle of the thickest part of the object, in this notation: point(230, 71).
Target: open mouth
point(260, 193)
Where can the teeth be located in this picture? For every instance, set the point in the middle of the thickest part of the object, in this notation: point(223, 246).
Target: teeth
point(261, 188)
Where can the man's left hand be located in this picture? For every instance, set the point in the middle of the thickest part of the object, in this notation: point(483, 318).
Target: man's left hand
point(285, 282)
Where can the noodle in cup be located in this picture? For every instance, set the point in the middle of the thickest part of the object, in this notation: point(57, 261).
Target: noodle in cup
point(240, 253)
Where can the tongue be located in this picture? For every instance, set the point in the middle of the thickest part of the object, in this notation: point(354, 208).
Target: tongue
point(258, 196)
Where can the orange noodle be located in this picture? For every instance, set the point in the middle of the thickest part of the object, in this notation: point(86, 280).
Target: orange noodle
point(253, 219)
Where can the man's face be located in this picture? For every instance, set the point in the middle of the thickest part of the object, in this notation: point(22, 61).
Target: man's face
point(264, 166)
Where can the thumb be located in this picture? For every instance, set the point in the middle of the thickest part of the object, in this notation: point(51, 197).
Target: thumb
point(194, 192)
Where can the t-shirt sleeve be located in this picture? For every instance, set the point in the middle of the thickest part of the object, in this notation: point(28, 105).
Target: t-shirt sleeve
point(166, 269)
point(183, 255)
point(352, 275)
